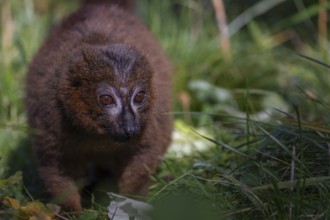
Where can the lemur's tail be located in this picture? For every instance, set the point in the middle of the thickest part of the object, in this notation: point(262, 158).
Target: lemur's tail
point(126, 4)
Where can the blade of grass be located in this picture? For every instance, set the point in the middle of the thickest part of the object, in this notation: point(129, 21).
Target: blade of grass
point(302, 16)
point(278, 142)
point(292, 183)
point(220, 143)
point(246, 190)
point(170, 184)
point(254, 11)
point(312, 59)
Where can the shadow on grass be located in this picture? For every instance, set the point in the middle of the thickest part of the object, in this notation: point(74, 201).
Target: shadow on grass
point(21, 159)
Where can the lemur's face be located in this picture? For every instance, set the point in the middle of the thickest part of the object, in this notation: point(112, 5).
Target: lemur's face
point(108, 91)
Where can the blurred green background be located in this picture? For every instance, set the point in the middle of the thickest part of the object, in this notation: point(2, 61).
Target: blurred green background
point(247, 92)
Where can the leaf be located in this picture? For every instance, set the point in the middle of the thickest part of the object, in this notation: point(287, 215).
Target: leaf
point(12, 180)
point(12, 203)
point(37, 209)
point(32, 211)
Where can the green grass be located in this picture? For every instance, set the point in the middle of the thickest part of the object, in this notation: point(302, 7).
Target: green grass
point(262, 116)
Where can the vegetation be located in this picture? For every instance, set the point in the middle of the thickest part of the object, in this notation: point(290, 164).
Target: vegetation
point(252, 124)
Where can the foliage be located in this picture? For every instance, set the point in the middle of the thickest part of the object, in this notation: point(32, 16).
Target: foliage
point(257, 124)
point(280, 172)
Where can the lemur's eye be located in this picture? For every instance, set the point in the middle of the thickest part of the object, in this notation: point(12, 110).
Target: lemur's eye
point(107, 100)
point(139, 97)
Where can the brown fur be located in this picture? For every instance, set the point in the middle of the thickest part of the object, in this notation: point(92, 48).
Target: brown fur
point(77, 59)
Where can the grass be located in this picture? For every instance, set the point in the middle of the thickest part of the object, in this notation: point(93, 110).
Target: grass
point(259, 122)
point(281, 172)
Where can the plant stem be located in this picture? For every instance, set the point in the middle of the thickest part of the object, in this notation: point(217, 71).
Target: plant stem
point(323, 29)
point(220, 11)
